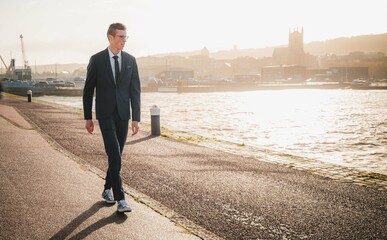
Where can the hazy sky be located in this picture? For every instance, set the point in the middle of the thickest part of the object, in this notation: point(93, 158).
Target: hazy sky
point(69, 31)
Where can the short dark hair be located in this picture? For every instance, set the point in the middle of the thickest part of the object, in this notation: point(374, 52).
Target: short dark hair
point(115, 26)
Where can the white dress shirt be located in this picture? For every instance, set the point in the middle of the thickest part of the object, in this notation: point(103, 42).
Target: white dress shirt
point(111, 55)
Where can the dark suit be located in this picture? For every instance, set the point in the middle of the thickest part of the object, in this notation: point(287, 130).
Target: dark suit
point(112, 105)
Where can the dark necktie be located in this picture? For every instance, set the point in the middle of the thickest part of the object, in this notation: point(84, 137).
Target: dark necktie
point(116, 68)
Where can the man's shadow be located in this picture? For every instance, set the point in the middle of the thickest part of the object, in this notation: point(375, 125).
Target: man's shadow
point(116, 217)
point(132, 142)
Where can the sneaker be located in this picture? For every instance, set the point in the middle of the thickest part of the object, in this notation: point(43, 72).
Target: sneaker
point(107, 194)
point(123, 206)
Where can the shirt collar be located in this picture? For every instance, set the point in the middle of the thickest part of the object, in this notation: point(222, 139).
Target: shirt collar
point(111, 54)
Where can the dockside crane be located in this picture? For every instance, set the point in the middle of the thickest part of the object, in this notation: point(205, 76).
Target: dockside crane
point(7, 68)
point(15, 74)
point(23, 52)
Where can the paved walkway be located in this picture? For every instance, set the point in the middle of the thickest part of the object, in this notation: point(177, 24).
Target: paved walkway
point(45, 194)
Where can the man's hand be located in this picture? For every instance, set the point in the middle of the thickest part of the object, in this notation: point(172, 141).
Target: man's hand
point(135, 127)
point(89, 126)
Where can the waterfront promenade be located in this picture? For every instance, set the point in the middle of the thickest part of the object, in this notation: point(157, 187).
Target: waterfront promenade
point(47, 195)
point(229, 195)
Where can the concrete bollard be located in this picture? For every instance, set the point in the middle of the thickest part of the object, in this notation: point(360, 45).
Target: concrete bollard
point(155, 120)
point(29, 95)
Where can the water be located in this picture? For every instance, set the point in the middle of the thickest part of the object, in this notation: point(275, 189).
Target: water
point(343, 127)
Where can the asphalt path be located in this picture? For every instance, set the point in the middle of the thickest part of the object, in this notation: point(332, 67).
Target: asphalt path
point(45, 194)
point(233, 196)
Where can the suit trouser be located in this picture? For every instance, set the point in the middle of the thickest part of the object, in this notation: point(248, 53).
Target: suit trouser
point(114, 132)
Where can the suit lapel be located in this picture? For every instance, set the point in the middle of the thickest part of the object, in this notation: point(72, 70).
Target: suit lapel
point(109, 66)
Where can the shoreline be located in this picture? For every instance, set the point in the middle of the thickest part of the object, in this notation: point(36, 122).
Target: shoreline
point(236, 87)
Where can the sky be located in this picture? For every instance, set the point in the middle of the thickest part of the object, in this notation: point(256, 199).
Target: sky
point(70, 31)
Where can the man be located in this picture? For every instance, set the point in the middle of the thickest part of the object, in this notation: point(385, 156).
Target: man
point(113, 74)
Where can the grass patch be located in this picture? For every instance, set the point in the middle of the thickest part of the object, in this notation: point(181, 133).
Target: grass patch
point(180, 138)
point(166, 135)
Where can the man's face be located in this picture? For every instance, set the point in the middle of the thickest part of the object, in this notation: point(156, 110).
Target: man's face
point(118, 41)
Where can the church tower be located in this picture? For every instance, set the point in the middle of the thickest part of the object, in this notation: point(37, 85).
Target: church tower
point(296, 47)
point(205, 52)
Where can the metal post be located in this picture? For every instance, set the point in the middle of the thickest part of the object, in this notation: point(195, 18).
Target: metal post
point(29, 95)
point(155, 121)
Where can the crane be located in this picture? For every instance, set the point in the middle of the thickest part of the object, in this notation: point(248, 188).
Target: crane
point(23, 52)
point(7, 68)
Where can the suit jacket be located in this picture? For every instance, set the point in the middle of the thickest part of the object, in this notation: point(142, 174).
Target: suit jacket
point(123, 94)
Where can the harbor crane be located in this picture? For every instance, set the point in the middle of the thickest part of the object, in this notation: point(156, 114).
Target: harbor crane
point(18, 74)
point(7, 68)
point(23, 52)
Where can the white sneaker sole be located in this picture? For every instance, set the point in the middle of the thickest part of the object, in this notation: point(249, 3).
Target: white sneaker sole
point(110, 201)
point(124, 210)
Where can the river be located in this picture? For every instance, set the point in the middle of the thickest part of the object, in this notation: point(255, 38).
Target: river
point(343, 127)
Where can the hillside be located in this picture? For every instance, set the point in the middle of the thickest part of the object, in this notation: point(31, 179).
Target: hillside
point(343, 46)
point(59, 68)
point(338, 46)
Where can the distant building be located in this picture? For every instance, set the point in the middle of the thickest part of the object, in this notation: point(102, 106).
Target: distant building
point(290, 73)
point(247, 78)
point(200, 63)
point(347, 74)
point(172, 75)
point(205, 52)
point(338, 74)
point(280, 56)
point(294, 54)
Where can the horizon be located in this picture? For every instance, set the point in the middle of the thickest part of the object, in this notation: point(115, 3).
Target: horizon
point(198, 50)
point(65, 33)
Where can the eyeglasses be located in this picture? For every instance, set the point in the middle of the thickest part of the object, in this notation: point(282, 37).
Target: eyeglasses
point(123, 37)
